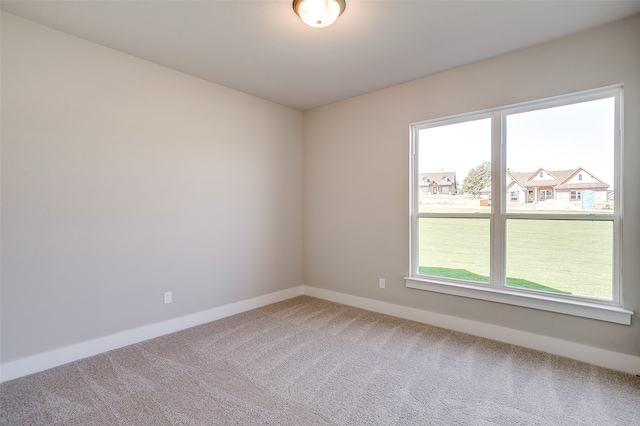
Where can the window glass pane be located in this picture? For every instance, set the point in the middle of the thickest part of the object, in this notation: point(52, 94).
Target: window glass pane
point(570, 257)
point(454, 170)
point(554, 154)
point(454, 248)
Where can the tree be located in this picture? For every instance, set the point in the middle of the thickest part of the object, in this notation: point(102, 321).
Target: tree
point(478, 178)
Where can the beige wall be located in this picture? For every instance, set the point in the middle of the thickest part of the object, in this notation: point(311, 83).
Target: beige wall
point(356, 176)
point(122, 179)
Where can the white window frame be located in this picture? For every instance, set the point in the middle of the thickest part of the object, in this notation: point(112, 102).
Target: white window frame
point(496, 290)
point(545, 194)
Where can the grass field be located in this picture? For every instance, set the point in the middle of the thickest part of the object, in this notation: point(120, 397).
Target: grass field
point(558, 256)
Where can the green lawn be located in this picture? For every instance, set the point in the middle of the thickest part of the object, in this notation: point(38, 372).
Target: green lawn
point(559, 256)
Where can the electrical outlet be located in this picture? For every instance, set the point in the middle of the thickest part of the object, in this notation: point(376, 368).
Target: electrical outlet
point(381, 283)
point(168, 297)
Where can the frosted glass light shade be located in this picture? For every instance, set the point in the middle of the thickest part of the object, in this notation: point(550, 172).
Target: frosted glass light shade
point(319, 13)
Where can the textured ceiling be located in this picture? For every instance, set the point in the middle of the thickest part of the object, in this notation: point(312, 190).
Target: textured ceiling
point(262, 48)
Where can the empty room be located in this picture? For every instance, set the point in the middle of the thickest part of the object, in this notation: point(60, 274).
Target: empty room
point(319, 212)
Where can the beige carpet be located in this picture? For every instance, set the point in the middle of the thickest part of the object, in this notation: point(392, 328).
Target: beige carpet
point(305, 361)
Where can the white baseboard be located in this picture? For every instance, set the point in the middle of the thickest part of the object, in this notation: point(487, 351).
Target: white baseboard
point(589, 354)
point(43, 361)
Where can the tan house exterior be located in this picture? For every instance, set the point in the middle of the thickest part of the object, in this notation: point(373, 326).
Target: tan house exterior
point(543, 185)
point(440, 183)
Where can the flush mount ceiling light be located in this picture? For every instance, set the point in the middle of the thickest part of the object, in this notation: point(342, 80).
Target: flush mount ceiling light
point(319, 13)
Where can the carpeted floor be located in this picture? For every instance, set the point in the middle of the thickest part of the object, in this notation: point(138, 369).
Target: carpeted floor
point(306, 361)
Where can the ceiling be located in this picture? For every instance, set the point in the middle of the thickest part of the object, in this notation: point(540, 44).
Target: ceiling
point(262, 48)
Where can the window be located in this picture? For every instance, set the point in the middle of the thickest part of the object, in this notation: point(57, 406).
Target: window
point(546, 194)
point(580, 176)
point(445, 189)
point(545, 253)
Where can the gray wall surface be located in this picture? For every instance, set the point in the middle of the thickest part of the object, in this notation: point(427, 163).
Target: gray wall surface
point(356, 196)
point(122, 179)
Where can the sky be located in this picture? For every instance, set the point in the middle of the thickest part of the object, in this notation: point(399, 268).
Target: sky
point(560, 138)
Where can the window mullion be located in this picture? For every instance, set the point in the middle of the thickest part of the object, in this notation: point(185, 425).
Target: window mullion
point(497, 203)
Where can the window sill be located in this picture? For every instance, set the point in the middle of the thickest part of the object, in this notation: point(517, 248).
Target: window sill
point(542, 302)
